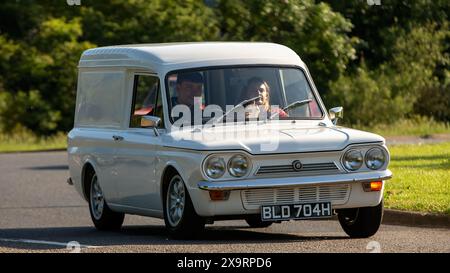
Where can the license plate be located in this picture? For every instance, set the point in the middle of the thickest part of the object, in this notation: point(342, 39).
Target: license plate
point(295, 211)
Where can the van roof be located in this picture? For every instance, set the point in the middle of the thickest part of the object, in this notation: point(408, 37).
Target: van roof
point(171, 56)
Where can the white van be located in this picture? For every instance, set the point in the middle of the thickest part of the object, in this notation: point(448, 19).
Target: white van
point(198, 132)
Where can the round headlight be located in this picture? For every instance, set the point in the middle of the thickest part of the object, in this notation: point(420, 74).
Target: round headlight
point(375, 158)
point(215, 167)
point(238, 166)
point(353, 160)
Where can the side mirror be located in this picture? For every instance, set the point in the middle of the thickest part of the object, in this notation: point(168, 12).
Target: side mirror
point(151, 122)
point(336, 113)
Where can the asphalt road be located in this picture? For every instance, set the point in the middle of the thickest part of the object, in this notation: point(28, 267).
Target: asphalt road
point(39, 212)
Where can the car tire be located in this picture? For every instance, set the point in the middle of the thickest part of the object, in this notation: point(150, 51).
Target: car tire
point(181, 220)
point(361, 222)
point(255, 221)
point(102, 216)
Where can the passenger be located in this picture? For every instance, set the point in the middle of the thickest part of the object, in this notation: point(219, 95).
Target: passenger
point(258, 87)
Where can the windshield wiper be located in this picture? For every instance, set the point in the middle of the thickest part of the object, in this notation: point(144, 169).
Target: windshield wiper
point(295, 104)
point(242, 103)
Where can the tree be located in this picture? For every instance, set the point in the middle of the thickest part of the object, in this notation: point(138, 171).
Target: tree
point(40, 53)
point(154, 21)
point(314, 31)
point(373, 23)
point(40, 77)
point(397, 86)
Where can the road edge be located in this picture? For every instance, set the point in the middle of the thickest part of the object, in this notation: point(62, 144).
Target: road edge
point(415, 219)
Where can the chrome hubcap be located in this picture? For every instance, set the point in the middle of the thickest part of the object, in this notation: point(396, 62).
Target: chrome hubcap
point(97, 199)
point(175, 201)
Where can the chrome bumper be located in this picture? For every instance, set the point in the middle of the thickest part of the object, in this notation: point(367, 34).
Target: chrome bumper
point(275, 182)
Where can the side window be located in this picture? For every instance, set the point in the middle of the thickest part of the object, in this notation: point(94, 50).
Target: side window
point(146, 99)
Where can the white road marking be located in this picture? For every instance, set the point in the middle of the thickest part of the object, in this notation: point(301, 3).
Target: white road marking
point(27, 241)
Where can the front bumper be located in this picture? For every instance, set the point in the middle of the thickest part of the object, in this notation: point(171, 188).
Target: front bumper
point(295, 181)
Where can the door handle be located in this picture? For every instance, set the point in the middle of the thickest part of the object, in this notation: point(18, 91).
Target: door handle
point(117, 138)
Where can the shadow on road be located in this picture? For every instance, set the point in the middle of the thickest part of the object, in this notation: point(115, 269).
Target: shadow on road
point(146, 235)
point(48, 168)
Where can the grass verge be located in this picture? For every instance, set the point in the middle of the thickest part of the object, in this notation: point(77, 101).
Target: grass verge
point(419, 126)
point(27, 142)
point(421, 179)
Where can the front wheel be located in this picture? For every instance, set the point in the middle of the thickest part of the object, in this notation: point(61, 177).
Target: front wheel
point(361, 222)
point(180, 217)
point(102, 216)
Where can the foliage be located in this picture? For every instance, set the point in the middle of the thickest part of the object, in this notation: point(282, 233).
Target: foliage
point(141, 21)
point(314, 31)
point(31, 109)
point(372, 24)
point(382, 63)
point(40, 77)
point(390, 92)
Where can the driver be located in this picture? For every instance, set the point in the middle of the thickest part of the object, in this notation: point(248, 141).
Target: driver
point(189, 85)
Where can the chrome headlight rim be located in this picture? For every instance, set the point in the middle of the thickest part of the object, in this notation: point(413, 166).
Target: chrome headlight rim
point(383, 152)
point(344, 160)
point(232, 172)
point(219, 159)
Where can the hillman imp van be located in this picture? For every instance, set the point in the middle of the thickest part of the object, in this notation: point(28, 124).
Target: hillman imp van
point(199, 132)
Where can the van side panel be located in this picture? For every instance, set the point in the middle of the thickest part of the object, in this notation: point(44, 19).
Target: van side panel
point(99, 117)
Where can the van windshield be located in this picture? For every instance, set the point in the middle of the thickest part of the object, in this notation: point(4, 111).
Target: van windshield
point(240, 93)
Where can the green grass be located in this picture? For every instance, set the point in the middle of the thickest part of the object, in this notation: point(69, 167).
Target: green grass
point(26, 142)
point(419, 126)
point(421, 179)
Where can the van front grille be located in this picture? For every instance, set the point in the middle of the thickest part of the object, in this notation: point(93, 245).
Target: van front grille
point(323, 168)
point(336, 194)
